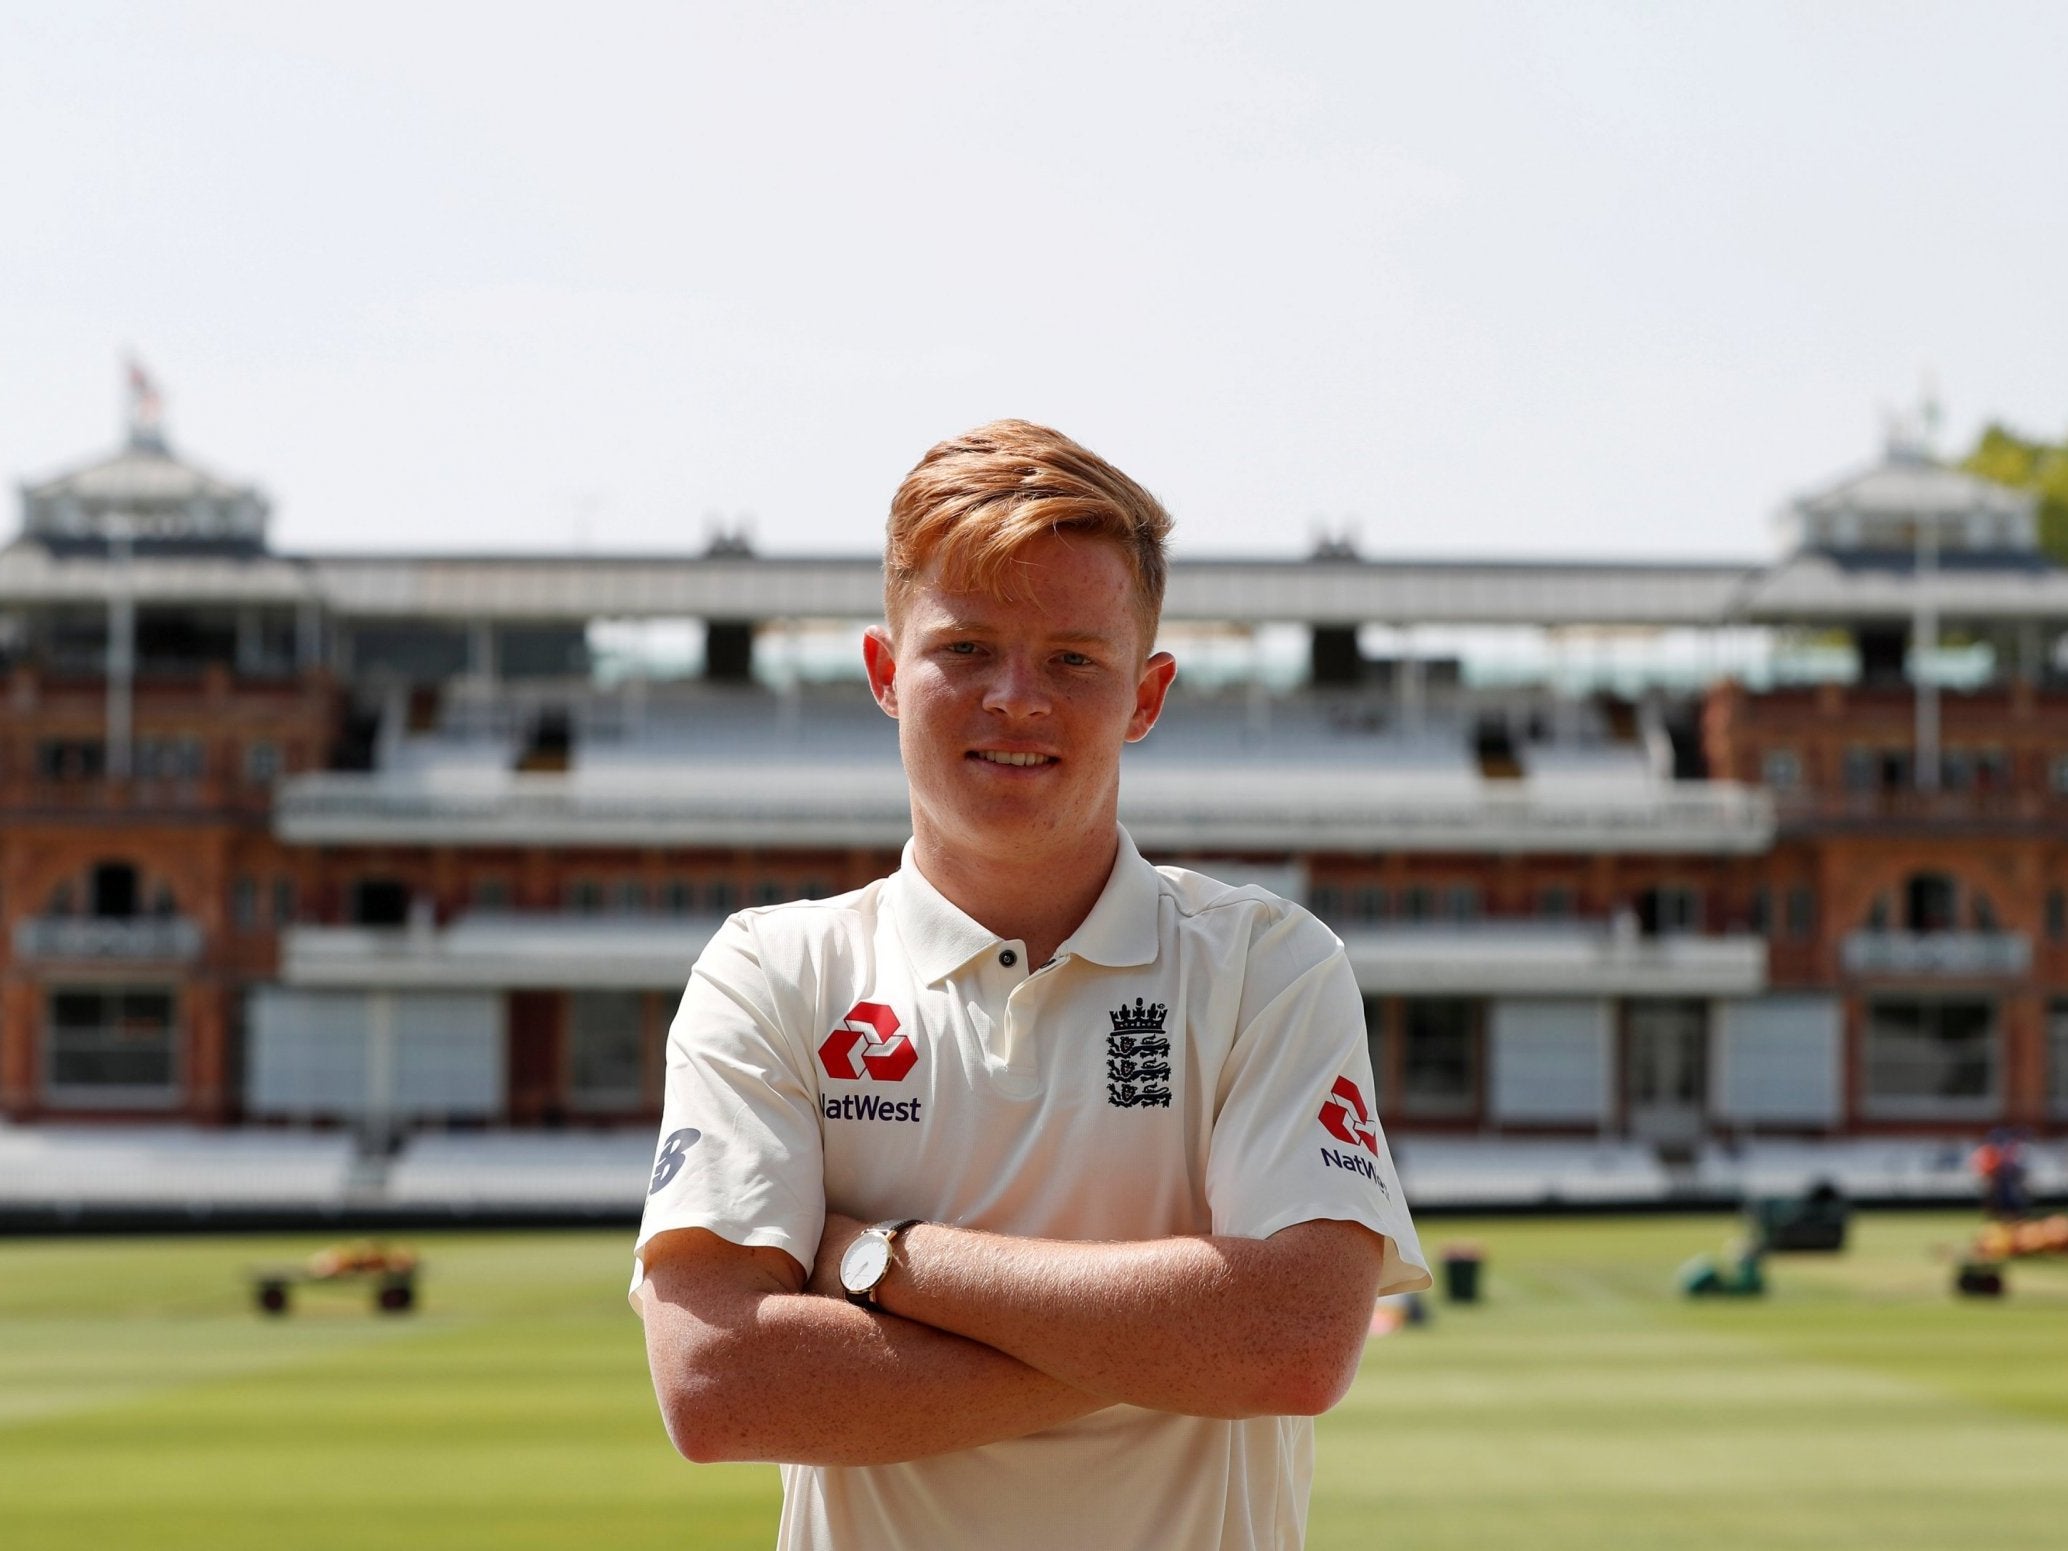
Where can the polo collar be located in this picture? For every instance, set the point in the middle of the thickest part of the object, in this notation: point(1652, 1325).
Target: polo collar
point(1120, 930)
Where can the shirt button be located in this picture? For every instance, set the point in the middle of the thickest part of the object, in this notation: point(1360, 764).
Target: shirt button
point(1008, 958)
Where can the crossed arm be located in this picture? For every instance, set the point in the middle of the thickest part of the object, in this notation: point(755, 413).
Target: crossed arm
point(983, 1337)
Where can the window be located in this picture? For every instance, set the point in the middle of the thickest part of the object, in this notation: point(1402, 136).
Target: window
point(1375, 1045)
point(114, 891)
point(2057, 1061)
point(67, 760)
point(168, 759)
point(1783, 769)
point(1802, 913)
point(770, 891)
point(112, 1045)
point(605, 1049)
point(1461, 902)
point(2056, 915)
point(1370, 903)
point(1418, 903)
point(1929, 902)
point(628, 897)
point(283, 902)
point(71, 759)
point(721, 898)
point(1759, 912)
point(1557, 902)
point(1982, 913)
point(244, 904)
point(262, 762)
point(1669, 910)
point(380, 902)
point(2057, 774)
point(585, 897)
point(1439, 1057)
point(1929, 1059)
point(491, 896)
point(675, 897)
point(1861, 769)
point(1326, 901)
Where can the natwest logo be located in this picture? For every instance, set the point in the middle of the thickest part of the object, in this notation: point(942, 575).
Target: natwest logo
point(869, 1043)
point(1345, 1117)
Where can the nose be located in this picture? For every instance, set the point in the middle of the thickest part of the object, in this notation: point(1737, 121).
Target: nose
point(1017, 688)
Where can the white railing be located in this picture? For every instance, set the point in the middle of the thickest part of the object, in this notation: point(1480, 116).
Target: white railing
point(1953, 954)
point(1578, 959)
point(172, 939)
point(1254, 806)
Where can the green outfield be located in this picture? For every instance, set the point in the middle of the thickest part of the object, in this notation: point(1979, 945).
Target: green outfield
point(1582, 1405)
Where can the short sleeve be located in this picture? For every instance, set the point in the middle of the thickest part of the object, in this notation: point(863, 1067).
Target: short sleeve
point(740, 1151)
point(1296, 1134)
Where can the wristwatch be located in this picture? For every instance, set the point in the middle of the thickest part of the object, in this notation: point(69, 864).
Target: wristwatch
point(867, 1260)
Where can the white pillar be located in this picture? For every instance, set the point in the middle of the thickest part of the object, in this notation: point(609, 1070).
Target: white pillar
point(121, 653)
point(1924, 643)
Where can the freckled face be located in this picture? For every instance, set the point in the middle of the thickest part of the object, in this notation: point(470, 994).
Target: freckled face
point(1012, 714)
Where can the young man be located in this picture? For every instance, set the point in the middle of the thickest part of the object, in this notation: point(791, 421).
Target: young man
point(1031, 1196)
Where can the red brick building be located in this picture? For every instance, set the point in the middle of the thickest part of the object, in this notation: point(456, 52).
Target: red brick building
point(405, 841)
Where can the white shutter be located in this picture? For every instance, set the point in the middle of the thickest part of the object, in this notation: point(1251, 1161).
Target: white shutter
point(449, 1054)
point(307, 1053)
point(1777, 1059)
point(1550, 1062)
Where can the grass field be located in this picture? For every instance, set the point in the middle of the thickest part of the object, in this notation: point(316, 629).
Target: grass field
point(1582, 1405)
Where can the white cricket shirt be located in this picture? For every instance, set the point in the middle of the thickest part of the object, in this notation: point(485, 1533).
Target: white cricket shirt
point(1191, 1061)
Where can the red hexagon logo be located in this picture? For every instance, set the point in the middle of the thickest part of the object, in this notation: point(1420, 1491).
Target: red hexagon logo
point(869, 1043)
point(1345, 1117)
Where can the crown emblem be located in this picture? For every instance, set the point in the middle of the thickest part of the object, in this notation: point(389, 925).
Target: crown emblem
point(1139, 1019)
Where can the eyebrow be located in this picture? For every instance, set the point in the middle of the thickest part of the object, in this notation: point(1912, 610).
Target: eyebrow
point(960, 626)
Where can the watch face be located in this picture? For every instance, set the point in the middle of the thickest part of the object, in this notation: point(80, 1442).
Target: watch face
point(867, 1258)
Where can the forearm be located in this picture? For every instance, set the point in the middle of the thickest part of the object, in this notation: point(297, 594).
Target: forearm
point(805, 1379)
point(1209, 1326)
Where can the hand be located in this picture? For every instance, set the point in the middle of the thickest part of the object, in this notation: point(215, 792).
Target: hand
point(839, 1232)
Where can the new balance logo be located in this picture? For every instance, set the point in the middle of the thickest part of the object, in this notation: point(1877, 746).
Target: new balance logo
point(868, 1043)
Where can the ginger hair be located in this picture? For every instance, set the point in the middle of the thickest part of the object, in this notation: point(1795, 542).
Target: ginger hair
point(974, 502)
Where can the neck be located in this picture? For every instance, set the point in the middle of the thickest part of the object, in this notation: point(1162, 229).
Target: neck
point(1038, 898)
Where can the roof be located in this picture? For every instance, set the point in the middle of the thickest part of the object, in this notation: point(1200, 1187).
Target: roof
point(1908, 485)
point(1819, 588)
point(143, 473)
point(29, 573)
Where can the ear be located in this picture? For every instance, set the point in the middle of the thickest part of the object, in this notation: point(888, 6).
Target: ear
point(1150, 689)
point(879, 660)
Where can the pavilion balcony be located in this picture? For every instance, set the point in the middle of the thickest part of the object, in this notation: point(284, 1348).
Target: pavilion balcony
point(94, 940)
point(1169, 809)
point(486, 951)
point(1951, 955)
point(1562, 959)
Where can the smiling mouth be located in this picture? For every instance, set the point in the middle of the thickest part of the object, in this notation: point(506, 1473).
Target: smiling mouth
point(1000, 757)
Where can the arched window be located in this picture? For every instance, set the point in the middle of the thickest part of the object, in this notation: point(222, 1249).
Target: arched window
point(1929, 902)
point(114, 891)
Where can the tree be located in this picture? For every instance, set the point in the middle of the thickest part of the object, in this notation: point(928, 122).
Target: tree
point(2024, 463)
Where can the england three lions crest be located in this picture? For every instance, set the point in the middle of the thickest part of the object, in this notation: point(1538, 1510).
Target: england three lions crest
point(1138, 1057)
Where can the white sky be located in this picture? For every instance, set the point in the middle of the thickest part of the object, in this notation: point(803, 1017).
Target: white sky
point(1570, 280)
